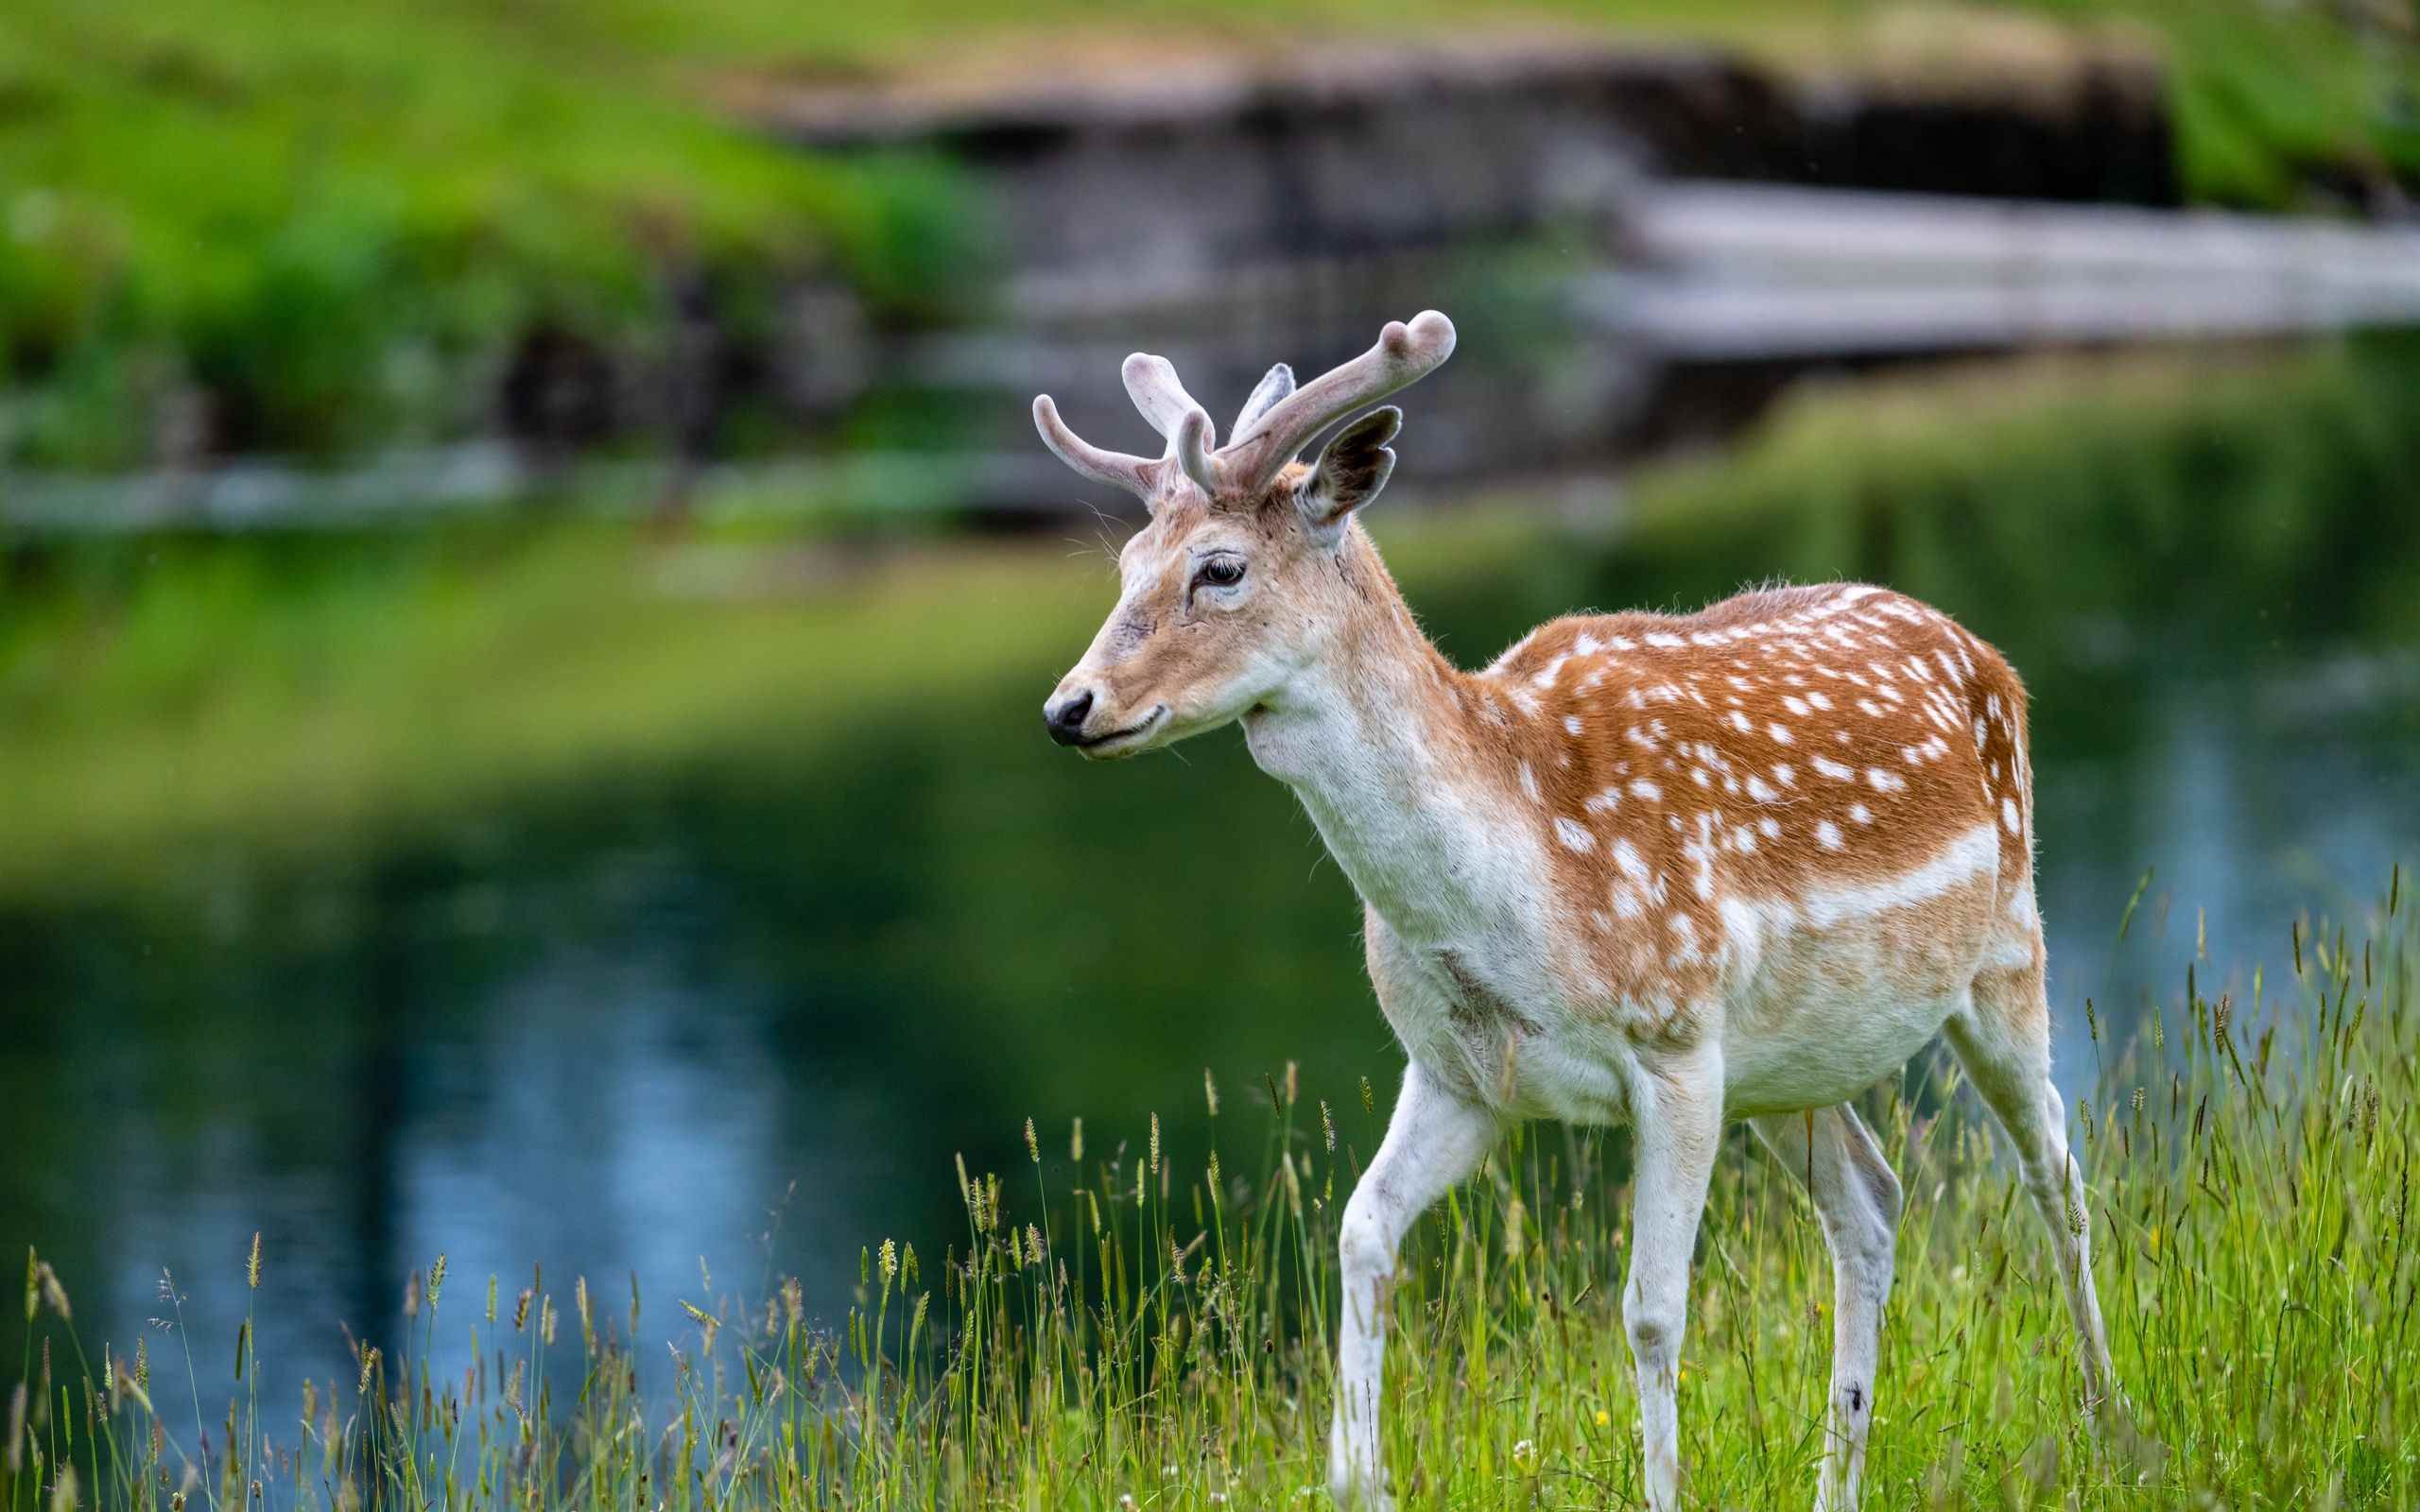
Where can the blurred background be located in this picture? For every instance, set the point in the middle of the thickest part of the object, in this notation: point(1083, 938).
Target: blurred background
point(526, 582)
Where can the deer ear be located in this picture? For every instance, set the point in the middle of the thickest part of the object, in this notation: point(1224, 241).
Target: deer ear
point(1351, 471)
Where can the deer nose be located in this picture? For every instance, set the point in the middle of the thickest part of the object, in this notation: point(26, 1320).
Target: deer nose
point(1064, 716)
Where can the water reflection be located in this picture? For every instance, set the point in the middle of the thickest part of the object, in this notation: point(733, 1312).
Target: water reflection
point(610, 1031)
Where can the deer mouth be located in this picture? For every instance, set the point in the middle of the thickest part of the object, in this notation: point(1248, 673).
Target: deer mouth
point(1128, 741)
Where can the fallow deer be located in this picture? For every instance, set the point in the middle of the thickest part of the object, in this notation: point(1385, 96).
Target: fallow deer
point(1668, 871)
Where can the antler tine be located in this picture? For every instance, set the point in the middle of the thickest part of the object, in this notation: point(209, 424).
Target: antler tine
point(1405, 354)
point(1138, 475)
point(1190, 445)
point(1275, 385)
point(1151, 383)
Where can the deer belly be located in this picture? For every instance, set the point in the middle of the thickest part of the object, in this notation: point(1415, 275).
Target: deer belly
point(1831, 1005)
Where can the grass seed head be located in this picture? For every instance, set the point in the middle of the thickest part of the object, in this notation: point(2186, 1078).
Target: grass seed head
point(1155, 1144)
point(55, 1294)
point(1210, 1091)
point(436, 1281)
point(1076, 1143)
point(1032, 1145)
point(252, 1264)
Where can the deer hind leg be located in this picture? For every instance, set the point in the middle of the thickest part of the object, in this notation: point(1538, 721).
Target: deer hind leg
point(1677, 1122)
point(1857, 1197)
point(2002, 1039)
point(1434, 1140)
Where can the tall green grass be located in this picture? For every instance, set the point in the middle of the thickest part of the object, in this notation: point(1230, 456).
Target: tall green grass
point(1147, 1327)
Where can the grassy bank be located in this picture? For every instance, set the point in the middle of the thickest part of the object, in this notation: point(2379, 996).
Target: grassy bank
point(163, 701)
point(1143, 1327)
point(315, 232)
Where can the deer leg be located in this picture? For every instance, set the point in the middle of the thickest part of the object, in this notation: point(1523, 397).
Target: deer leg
point(1857, 1197)
point(1677, 1122)
point(2003, 1040)
point(1434, 1140)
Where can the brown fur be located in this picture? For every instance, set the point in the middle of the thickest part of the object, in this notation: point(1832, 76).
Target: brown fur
point(1791, 801)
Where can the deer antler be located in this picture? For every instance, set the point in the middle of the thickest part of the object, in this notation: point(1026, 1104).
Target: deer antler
point(1275, 422)
point(1137, 475)
point(1405, 354)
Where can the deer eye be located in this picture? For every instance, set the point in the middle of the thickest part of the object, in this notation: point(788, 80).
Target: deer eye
point(1219, 572)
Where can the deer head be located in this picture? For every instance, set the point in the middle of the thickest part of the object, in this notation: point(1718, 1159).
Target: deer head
point(1234, 585)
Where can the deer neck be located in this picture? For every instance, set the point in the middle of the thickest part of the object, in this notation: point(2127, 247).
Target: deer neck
point(1374, 738)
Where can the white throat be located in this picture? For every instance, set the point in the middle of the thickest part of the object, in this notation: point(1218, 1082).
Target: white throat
point(1373, 754)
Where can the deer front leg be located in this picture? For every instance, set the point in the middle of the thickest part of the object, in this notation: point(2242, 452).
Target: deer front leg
point(1434, 1140)
point(1677, 1119)
point(1857, 1197)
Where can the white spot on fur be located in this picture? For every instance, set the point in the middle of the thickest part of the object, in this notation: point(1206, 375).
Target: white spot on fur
point(1860, 813)
point(1571, 723)
point(2008, 814)
point(1574, 835)
point(1641, 787)
point(1762, 791)
point(1882, 781)
point(1528, 784)
point(1825, 767)
point(1971, 854)
point(1626, 856)
point(1781, 734)
point(1828, 834)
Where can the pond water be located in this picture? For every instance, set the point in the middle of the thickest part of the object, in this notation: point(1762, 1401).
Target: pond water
point(751, 1013)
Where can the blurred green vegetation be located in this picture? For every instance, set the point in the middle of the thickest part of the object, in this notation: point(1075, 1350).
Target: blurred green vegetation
point(332, 224)
point(305, 695)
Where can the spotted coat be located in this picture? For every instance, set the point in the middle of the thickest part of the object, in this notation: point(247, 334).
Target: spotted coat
point(1774, 745)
